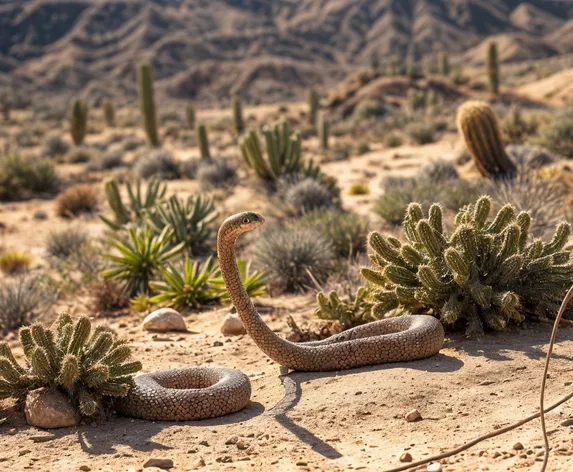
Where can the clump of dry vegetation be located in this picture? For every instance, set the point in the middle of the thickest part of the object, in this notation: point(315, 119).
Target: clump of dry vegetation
point(76, 200)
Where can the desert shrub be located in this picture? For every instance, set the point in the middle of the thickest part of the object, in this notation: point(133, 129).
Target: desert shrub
point(22, 299)
point(216, 173)
point(140, 303)
point(439, 171)
point(294, 258)
point(420, 133)
point(458, 193)
point(186, 287)
point(189, 168)
point(253, 281)
point(515, 128)
point(106, 161)
point(90, 367)
point(370, 108)
point(140, 255)
point(485, 273)
point(301, 196)
point(132, 142)
point(80, 155)
point(527, 156)
point(66, 243)
point(363, 148)
point(157, 163)
point(393, 140)
point(76, 200)
point(108, 296)
point(558, 136)
point(416, 99)
point(398, 193)
point(23, 176)
point(359, 188)
point(25, 138)
point(54, 146)
point(12, 261)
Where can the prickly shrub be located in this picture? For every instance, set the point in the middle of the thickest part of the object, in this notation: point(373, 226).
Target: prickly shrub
point(558, 136)
point(54, 146)
point(253, 281)
point(486, 273)
point(157, 164)
point(13, 262)
point(186, 288)
point(108, 296)
point(349, 311)
point(420, 133)
point(363, 148)
point(147, 103)
point(216, 174)
point(370, 108)
point(79, 121)
point(301, 196)
point(359, 188)
point(76, 200)
point(106, 161)
point(24, 177)
point(440, 171)
point(393, 140)
point(66, 243)
point(89, 366)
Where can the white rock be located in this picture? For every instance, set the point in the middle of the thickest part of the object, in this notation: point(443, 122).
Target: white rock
point(163, 320)
point(434, 467)
point(49, 408)
point(232, 325)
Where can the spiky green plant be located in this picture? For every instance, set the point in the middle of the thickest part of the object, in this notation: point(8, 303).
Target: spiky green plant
point(89, 366)
point(141, 254)
point(237, 114)
point(324, 133)
point(480, 130)
point(190, 220)
point(485, 273)
point(350, 313)
point(79, 121)
point(313, 104)
point(444, 64)
point(147, 103)
point(203, 142)
point(492, 68)
point(283, 151)
point(190, 287)
point(253, 281)
point(109, 113)
point(190, 115)
point(139, 203)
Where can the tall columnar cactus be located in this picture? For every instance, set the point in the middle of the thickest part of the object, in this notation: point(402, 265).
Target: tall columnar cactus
point(493, 68)
point(190, 115)
point(79, 121)
point(313, 104)
point(109, 113)
point(324, 132)
point(480, 129)
point(444, 64)
point(237, 114)
point(147, 104)
point(87, 365)
point(283, 151)
point(203, 142)
point(5, 106)
point(485, 273)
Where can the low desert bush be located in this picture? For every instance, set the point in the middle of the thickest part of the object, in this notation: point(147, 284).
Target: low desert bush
point(393, 140)
point(13, 262)
point(77, 200)
point(54, 146)
point(439, 171)
point(24, 177)
point(108, 296)
point(420, 133)
point(363, 148)
point(359, 188)
point(106, 161)
point(157, 163)
point(301, 196)
point(66, 243)
point(558, 136)
point(218, 173)
point(370, 108)
point(22, 299)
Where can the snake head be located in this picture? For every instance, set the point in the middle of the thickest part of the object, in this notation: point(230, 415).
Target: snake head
point(246, 221)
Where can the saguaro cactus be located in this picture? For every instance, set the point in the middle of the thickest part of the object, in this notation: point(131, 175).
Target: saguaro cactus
point(147, 104)
point(190, 115)
point(493, 68)
point(444, 64)
point(238, 114)
point(480, 129)
point(313, 103)
point(324, 132)
point(79, 121)
point(203, 142)
point(109, 113)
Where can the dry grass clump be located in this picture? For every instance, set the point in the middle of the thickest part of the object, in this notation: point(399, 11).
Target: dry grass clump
point(77, 200)
point(13, 262)
point(359, 188)
point(65, 243)
point(108, 296)
point(22, 299)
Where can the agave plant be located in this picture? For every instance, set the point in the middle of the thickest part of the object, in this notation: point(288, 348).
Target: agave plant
point(191, 288)
point(141, 255)
point(253, 281)
point(189, 219)
point(88, 366)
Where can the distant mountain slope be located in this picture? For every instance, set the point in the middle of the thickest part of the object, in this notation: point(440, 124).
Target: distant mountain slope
point(207, 49)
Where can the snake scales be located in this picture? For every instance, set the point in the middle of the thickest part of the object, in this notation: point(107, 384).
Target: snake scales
point(205, 392)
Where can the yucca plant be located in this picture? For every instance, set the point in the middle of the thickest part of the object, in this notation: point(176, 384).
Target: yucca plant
point(89, 366)
point(485, 273)
point(139, 203)
point(141, 254)
point(190, 287)
point(253, 281)
point(190, 219)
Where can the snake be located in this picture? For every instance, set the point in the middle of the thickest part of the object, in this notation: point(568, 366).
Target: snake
point(398, 339)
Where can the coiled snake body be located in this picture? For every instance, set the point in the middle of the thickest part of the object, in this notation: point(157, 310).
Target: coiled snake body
point(205, 392)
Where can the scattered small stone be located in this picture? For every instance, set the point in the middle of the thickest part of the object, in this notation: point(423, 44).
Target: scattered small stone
point(434, 467)
point(517, 446)
point(217, 344)
point(486, 382)
point(283, 370)
point(204, 443)
point(159, 462)
point(163, 320)
point(567, 422)
point(23, 452)
point(242, 445)
point(3, 420)
point(406, 457)
point(232, 440)
point(49, 408)
point(39, 438)
point(161, 338)
point(232, 325)
point(301, 463)
point(224, 459)
point(413, 415)
point(85, 468)
point(199, 462)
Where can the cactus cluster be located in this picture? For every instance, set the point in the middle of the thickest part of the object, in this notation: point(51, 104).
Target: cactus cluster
point(352, 313)
point(79, 121)
point(480, 130)
point(147, 104)
point(484, 273)
point(88, 366)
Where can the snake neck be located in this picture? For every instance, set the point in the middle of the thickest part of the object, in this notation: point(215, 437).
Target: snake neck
point(278, 349)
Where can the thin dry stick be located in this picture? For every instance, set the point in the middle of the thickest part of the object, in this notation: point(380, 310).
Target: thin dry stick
point(498, 432)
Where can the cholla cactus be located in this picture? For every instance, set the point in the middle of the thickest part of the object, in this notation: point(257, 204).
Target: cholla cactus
point(86, 365)
point(350, 313)
point(485, 273)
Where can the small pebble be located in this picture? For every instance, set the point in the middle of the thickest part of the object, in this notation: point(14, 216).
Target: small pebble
point(434, 467)
point(232, 440)
point(39, 438)
point(517, 446)
point(406, 457)
point(159, 462)
point(413, 415)
point(200, 462)
point(85, 468)
point(567, 422)
point(242, 445)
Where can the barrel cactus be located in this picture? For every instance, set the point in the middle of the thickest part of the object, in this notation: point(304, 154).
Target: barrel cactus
point(480, 130)
point(485, 273)
point(89, 366)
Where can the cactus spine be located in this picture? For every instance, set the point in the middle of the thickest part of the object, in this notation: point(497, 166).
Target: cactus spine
point(147, 104)
point(237, 114)
point(480, 130)
point(79, 121)
point(203, 142)
point(493, 68)
point(313, 104)
point(190, 115)
point(109, 113)
point(324, 132)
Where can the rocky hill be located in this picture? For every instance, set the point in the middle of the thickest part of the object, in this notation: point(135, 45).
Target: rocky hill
point(208, 49)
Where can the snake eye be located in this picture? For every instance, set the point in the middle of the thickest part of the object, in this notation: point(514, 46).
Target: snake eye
point(246, 221)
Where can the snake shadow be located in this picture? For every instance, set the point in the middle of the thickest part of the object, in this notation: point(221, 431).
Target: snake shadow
point(293, 393)
point(138, 433)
